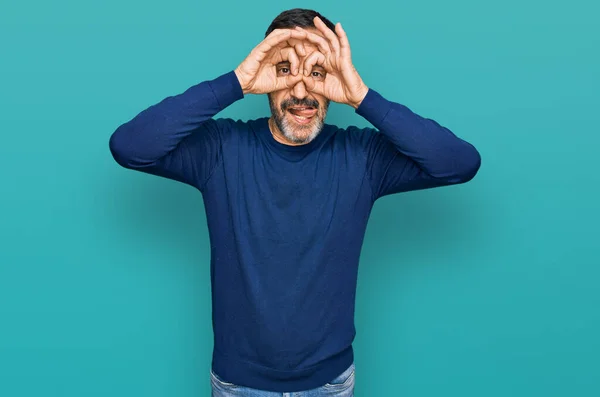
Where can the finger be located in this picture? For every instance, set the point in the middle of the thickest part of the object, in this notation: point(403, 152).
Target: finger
point(316, 58)
point(334, 42)
point(344, 43)
point(300, 49)
point(289, 54)
point(275, 38)
point(318, 40)
point(286, 82)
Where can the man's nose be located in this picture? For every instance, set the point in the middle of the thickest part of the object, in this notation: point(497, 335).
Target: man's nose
point(299, 90)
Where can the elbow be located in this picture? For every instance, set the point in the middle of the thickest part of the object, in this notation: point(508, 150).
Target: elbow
point(119, 147)
point(463, 168)
point(469, 165)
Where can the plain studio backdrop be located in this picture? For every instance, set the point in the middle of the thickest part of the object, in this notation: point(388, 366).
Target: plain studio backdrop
point(483, 289)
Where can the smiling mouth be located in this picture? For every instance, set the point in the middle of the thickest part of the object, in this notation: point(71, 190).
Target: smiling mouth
point(302, 114)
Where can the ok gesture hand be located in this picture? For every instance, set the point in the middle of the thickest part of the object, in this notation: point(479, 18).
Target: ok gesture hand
point(258, 73)
point(342, 82)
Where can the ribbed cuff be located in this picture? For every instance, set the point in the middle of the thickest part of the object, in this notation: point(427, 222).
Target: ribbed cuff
point(227, 89)
point(374, 107)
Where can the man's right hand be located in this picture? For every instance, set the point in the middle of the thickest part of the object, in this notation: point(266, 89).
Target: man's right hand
point(260, 73)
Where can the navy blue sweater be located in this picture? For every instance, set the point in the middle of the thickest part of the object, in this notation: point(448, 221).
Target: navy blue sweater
point(286, 223)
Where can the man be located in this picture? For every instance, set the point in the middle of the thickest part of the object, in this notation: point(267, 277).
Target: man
point(288, 198)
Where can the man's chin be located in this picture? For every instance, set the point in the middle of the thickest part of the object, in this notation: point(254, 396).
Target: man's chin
point(300, 132)
point(301, 140)
point(293, 135)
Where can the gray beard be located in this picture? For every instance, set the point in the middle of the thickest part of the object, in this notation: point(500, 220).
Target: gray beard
point(310, 131)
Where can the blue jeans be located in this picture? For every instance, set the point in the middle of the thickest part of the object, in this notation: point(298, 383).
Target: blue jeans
point(341, 386)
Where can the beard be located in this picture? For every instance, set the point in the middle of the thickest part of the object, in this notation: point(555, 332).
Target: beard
point(293, 131)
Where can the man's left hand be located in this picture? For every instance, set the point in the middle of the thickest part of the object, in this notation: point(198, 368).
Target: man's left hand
point(342, 83)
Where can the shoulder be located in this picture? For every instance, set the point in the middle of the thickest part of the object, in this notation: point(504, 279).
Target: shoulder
point(367, 142)
point(353, 137)
point(235, 132)
point(227, 124)
point(227, 127)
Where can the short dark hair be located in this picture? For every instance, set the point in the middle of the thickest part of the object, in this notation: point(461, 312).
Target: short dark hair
point(297, 17)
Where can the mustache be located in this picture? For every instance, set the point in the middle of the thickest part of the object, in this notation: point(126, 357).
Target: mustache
point(299, 102)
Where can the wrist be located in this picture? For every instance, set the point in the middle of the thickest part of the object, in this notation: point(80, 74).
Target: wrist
point(360, 97)
point(241, 80)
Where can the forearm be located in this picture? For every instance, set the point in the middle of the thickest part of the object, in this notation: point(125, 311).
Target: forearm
point(157, 130)
point(436, 150)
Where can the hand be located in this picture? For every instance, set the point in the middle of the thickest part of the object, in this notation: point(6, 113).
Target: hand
point(342, 82)
point(259, 74)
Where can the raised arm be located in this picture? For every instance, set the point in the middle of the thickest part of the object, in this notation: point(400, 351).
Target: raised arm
point(178, 138)
point(411, 152)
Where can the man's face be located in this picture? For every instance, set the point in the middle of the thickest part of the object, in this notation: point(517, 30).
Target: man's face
point(298, 113)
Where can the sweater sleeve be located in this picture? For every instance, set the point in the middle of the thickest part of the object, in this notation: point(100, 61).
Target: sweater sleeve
point(177, 138)
point(410, 152)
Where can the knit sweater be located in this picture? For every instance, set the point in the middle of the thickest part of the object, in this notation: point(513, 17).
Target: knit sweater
point(286, 223)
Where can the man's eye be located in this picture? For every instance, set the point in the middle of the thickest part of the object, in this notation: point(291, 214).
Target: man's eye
point(284, 70)
point(317, 75)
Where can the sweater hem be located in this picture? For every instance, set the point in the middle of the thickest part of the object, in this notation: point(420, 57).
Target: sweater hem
point(243, 373)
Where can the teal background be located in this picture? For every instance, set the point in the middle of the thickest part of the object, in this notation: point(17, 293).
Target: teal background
point(483, 289)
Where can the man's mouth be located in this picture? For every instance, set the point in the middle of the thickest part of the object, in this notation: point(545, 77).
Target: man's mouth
point(302, 114)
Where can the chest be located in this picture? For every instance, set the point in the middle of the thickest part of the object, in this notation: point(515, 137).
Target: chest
point(278, 198)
